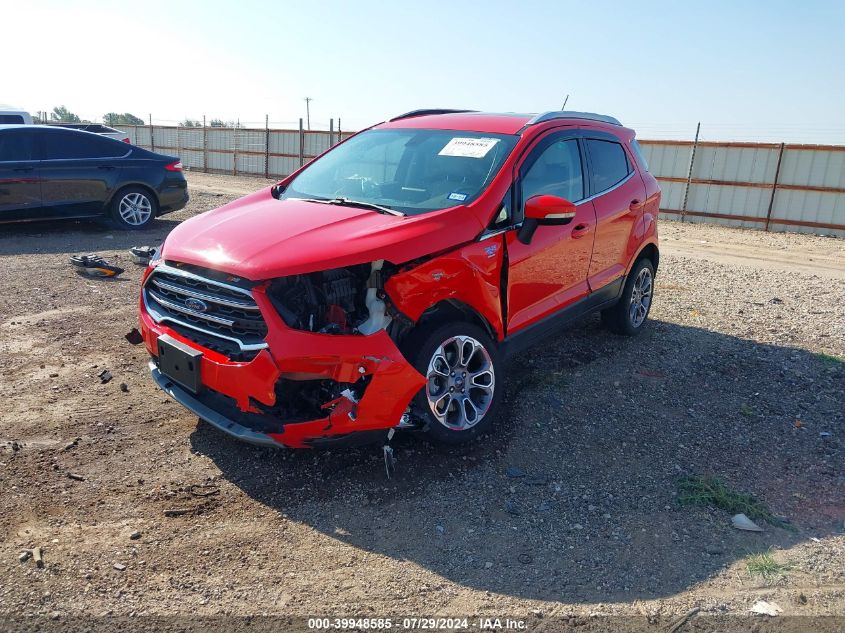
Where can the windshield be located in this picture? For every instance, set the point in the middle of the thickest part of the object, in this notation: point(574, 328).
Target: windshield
point(412, 171)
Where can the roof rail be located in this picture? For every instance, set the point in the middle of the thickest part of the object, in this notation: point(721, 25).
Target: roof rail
point(425, 112)
point(571, 114)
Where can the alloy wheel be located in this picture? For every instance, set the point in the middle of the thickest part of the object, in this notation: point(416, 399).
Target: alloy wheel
point(640, 298)
point(135, 209)
point(460, 382)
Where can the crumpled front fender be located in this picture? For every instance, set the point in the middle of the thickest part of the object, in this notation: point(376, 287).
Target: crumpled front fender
point(471, 275)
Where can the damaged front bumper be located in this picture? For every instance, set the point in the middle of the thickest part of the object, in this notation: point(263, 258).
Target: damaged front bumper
point(213, 417)
point(244, 399)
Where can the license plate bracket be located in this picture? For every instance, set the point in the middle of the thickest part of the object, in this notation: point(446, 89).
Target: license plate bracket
point(179, 362)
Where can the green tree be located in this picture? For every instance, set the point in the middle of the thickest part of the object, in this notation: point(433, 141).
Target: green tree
point(113, 118)
point(221, 123)
point(62, 114)
point(190, 123)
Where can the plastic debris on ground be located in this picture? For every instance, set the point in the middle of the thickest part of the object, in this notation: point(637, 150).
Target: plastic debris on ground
point(761, 607)
point(742, 522)
point(94, 266)
point(142, 254)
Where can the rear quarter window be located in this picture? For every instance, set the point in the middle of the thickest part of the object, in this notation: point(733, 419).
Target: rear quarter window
point(638, 152)
point(608, 164)
point(11, 118)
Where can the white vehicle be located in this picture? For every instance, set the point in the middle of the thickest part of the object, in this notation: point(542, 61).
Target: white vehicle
point(12, 115)
point(96, 128)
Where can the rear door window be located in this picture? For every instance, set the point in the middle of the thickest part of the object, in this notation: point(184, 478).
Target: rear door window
point(608, 164)
point(70, 145)
point(16, 146)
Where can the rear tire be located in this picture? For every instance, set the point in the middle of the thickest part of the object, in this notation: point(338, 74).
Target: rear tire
point(465, 380)
point(133, 208)
point(631, 311)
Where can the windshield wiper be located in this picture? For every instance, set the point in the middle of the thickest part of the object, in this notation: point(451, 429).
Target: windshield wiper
point(347, 202)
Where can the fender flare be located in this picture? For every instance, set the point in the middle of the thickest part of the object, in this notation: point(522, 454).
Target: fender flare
point(651, 250)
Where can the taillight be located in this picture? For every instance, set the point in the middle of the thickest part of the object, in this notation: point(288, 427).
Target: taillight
point(126, 140)
point(177, 166)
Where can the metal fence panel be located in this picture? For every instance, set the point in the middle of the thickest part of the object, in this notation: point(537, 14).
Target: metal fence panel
point(735, 164)
point(673, 196)
point(191, 158)
point(138, 135)
point(221, 138)
point(316, 143)
point(282, 166)
point(665, 160)
point(284, 142)
point(736, 184)
point(166, 138)
point(811, 207)
point(730, 200)
point(249, 164)
point(816, 168)
point(221, 161)
point(191, 138)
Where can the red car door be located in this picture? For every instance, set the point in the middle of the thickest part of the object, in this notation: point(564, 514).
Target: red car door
point(618, 195)
point(550, 272)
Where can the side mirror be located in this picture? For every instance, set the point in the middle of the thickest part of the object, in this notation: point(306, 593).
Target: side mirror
point(544, 209)
point(549, 210)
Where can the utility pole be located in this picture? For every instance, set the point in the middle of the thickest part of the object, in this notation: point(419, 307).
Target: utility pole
point(308, 101)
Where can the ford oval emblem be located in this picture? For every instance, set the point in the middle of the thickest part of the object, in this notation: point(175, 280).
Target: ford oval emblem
point(197, 305)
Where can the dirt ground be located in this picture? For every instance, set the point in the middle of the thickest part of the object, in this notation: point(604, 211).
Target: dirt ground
point(570, 508)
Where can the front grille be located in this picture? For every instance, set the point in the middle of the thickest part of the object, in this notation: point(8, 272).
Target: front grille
point(217, 315)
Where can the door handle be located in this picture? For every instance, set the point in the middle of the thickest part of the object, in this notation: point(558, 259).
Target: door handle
point(635, 204)
point(580, 230)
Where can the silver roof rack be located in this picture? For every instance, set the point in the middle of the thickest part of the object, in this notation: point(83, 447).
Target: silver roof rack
point(424, 112)
point(571, 114)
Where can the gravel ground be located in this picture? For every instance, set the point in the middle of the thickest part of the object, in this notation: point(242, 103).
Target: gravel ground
point(569, 508)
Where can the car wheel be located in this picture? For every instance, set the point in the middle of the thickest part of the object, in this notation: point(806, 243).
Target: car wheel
point(630, 312)
point(133, 208)
point(464, 381)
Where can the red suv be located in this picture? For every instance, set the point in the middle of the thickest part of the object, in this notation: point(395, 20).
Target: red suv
point(384, 284)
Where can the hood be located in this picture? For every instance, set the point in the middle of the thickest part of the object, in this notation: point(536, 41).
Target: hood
point(259, 237)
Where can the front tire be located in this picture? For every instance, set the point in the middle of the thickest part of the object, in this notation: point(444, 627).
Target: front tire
point(464, 380)
point(133, 208)
point(630, 312)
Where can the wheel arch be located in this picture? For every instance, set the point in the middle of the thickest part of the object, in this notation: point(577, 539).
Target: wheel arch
point(455, 310)
point(649, 251)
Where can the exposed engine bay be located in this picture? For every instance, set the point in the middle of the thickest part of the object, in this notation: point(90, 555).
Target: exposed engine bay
point(338, 301)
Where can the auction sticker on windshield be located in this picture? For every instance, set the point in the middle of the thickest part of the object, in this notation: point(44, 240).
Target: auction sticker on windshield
point(469, 147)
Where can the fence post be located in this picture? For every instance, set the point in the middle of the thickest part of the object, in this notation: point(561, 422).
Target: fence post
point(331, 132)
point(774, 187)
point(179, 140)
point(204, 146)
point(152, 135)
point(689, 172)
point(301, 144)
point(266, 145)
point(339, 135)
point(235, 150)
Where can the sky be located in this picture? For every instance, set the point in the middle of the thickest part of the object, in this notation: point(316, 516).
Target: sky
point(758, 71)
